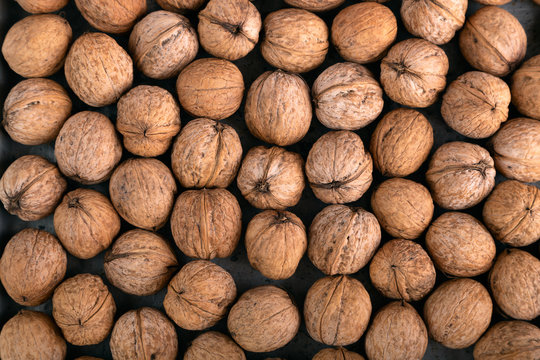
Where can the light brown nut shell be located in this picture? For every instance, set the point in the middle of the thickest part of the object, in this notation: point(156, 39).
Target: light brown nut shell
point(458, 312)
point(493, 2)
point(512, 339)
point(342, 239)
point(337, 354)
point(526, 88)
point(180, 5)
point(35, 110)
point(315, 5)
point(42, 6)
point(401, 142)
point(140, 263)
point(347, 96)
point(278, 108)
point(213, 345)
point(271, 178)
point(206, 223)
point(84, 309)
point(31, 187)
point(87, 148)
point(144, 334)
point(111, 16)
point(264, 319)
point(36, 46)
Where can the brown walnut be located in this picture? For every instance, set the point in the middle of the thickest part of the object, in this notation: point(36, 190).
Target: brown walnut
point(515, 339)
point(180, 5)
point(337, 354)
point(42, 6)
point(494, 2)
point(113, 17)
point(315, 5)
point(526, 88)
point(214, 345)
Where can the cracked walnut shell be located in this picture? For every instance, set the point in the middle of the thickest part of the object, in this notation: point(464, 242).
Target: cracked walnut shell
point(213, 345)
point(111, 16)
point(518, 339)
point(526, 88)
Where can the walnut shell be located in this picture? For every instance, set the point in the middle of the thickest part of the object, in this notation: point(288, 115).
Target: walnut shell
point(31, 187)
point(271, 178)
point(42, 6)
point(148, 119)
point(315, 5)
point(162, 44)
point(460, 175)
point(144, 334)
point(84, 309)
point(337, 354)
point(199, 295)
point(414, 72)
point(458, 312)
point(337, 310)
point(140, 263)
point(526, 88)
point(206, 223)
point(362, 32)
point(142, 191)
point(515, 284)
point(460, 245)
point(493, 41)
point(516, 339)
point(402, 269)
point(229, 29)
point(397, 332)
point(516, 150)
point(98, 70)
point(211, 88)
point(35, 110)
point(180, 5)
point(338, 168)
point(113, 17)
point(401, 142)
point(476, 104)
point(31, 335)
point(512, 214)
point(343, 239)
point(213, 345)
point(87, 148)
point(32, 264)
point(36, 46)
point(86, 223)
point(403, 207)
point(493, 2)
point(275, 243)
point(206, 154)
point(347, 97)
point(264, 319)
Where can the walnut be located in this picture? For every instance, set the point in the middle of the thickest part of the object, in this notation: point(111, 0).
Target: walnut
point(86, 223)
point(315, 5)
point(460, 245)
point(31, 335)
point(162, 44)
point(460, 175)
point(493, 41)
point(515, 284)
point(36, 46)
point(414, 72)
point(278, 108)
point(401, 142)
point(518, 338)
point(512, 214)
point(142, 191)
point(476, 104)
point(143, 334)
point(84, 309)
point(199, 295)
point(271, 178)
point(402, 269)
point(211, 88)
point(98, 70)
point(35, 110)
point(148, 119)
point(403, 207)
point(32, 264)
point(42, 6)
point(343, 239)
point(87, 148)
point(337, 354)
point(180, 5)
point(338, 168)
point(229, 29)
point(347, 97)
point(264, 319)
point(493, 2)
point(516, 149)
point(206, 223)
point(362, 32)
point(214, 345)
point(275, 243)
point(526, 88)
point(113, 17)
point(31, 187)
point(140, 263)
point(458, 312)
point(397, 332)
point(337, 310)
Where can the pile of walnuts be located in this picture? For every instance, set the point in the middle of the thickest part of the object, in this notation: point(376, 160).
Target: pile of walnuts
point(417, 240)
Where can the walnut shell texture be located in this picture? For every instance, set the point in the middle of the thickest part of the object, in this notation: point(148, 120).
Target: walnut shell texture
point(180, 5)
point(526, 88)
point(42, 6)
point(213, 345)
point(516, 339)
point(113, 17)
point(337, 354)
point(315, 5)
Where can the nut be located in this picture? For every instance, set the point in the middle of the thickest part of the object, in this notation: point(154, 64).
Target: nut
point(337, 354)
point(493, 2)
point(526, 88)
point(518, 338)
point(315, 5)
point(214, 345)
point(113, 17)
point(42, 6)
point(180, 5)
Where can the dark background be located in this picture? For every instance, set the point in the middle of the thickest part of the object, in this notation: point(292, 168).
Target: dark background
point(302, 347)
